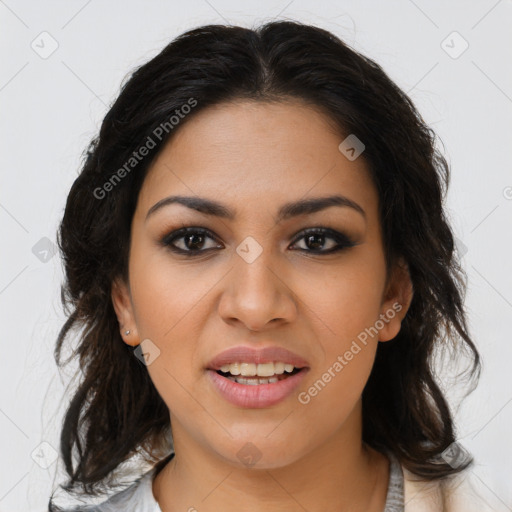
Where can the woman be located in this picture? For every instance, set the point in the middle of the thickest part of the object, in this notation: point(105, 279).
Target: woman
point(257, 256)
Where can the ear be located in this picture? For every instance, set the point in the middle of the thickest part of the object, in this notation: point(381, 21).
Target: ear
point(121, 300)
point(396, 301)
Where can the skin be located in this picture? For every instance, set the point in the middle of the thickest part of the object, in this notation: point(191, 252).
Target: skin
point(254, 157)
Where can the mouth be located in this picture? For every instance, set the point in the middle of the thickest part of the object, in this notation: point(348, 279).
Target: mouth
point(251, 374)
point(252, 378)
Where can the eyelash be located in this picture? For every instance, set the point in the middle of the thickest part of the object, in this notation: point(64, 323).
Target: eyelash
point(343, 241)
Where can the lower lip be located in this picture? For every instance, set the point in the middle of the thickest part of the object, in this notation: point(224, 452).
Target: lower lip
point(256, 396)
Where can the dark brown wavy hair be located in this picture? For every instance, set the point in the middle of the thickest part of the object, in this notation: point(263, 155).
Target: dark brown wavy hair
point(116, 411)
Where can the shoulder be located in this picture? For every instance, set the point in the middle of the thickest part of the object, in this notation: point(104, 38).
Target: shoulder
point(138, 497)
point(135, 496)
point(460, 493)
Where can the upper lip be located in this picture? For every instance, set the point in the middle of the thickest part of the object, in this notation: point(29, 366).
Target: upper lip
point(243, 354)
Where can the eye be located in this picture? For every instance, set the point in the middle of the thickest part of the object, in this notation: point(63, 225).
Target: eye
point(193, 241)
point(315, 240)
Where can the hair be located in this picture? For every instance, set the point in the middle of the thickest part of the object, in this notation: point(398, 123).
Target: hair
point(111, 417)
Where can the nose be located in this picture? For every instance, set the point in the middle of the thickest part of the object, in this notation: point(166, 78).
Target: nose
point(257, 295)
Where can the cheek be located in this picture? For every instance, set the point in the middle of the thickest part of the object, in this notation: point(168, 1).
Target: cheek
point(334, 394)
point(164, 317)
point(169, 302)
point(337, 382)
point(164, 293)
point(347, 306)
point(344, 300)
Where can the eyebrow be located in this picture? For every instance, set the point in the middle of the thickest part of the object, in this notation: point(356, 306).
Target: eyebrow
point(287, 211)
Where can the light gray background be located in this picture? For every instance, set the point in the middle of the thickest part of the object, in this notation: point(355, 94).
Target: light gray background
point(52, 106)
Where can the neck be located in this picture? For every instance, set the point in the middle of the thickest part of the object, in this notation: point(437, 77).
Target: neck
point(340, 474)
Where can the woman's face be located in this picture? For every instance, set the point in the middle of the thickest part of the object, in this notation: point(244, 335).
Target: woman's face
point(256, 280)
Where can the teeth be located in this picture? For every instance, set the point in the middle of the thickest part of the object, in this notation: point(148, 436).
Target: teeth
point(254, 382)
point(260, 370)
point(248, 369)
point(279, 368)
point(265, 369)
point(233, 368)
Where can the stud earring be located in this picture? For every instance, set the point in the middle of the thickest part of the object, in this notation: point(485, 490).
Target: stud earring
point(127, 332)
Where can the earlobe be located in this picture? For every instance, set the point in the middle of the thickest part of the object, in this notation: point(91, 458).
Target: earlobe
point(397, 302)
point(122, 304)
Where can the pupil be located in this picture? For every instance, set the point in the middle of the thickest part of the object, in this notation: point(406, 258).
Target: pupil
point(191, 237)
point(313, 237)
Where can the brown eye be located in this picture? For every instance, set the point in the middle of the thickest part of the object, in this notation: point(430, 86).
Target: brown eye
point(315, 241)
point(192, 240)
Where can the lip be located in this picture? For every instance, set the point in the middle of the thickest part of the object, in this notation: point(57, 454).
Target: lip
point(261, 395)
point(257, 396)
point(243, 354)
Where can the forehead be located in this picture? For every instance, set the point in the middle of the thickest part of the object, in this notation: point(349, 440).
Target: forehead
point(252, 153)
